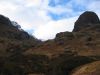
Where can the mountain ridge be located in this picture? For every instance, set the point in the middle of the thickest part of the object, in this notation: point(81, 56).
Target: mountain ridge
point(22, 54)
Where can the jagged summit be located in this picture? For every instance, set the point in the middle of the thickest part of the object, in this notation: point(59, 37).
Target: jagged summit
point(4, 20)
point(11, 29)
point(85, 20)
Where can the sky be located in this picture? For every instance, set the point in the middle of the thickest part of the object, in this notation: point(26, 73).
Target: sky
point(45, 18)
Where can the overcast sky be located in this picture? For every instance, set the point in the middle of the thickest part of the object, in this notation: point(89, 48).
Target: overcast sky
point(45, 18)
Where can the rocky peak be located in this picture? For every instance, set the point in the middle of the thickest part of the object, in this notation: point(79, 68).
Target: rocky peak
point(4, 20)
point(11, 29)
point(87, 19)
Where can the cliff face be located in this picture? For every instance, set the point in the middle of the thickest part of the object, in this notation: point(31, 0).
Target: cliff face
point(9, 30)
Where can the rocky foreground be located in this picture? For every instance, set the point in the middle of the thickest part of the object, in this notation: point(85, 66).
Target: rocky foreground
point(70, 53)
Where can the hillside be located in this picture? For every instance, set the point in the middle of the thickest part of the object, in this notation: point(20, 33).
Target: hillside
point(12, 36)
point(88, 69)
point(85, 38)
point(22, 54)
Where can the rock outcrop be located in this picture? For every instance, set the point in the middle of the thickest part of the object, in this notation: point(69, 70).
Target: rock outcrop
point(4, 20)
point(87, 19)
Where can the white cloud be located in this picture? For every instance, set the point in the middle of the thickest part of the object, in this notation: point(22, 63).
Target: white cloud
point(33, 2)
point(39, 4)
point(60, 9)
point(94, 6)
point(53, 27)
point(7, 8)
point(33, 15)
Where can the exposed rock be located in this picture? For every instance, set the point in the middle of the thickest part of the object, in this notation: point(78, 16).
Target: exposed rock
point(4, 20)
point(66, 35)
point(63, 36)
point(87, 19)
point(11, 29)
point(16, 25)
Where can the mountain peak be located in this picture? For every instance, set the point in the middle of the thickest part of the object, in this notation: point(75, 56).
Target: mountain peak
point(12, 30)
point(85, 20)
point(4, 20)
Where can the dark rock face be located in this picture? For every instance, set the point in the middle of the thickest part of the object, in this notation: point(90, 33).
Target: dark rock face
point(87, 19)
point(12, 30)
point(4, 20)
